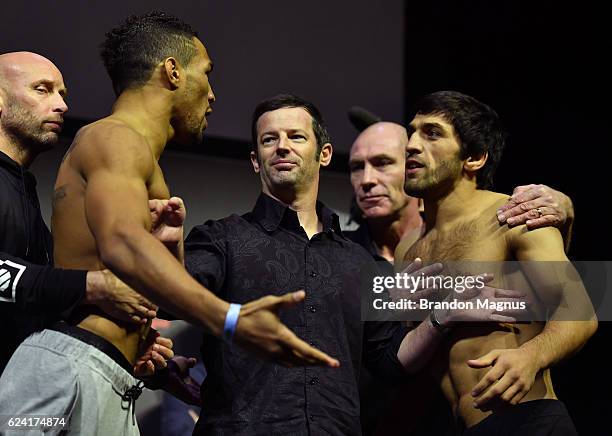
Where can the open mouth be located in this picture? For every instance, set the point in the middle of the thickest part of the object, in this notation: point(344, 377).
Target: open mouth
point(413, 166)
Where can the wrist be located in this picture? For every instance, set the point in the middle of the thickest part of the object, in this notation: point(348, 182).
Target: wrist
point(231, 322)
point(215, 318)
point(441, 324)
point(94, 287)
point(534, 355)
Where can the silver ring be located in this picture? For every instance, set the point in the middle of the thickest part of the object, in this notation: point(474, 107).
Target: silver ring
point(539, 211)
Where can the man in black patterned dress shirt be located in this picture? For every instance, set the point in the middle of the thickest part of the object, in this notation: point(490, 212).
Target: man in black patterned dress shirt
point(289, 242)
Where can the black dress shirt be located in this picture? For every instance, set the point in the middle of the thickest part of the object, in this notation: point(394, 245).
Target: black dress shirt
point(361, 236)
point(242, 258)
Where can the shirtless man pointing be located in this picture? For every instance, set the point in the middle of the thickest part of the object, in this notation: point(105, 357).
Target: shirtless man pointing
point(160, 73)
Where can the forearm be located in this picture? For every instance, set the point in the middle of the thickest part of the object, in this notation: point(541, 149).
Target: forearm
point(559, 340)
point(40, 287)
point(419, 346)
point(146, 265)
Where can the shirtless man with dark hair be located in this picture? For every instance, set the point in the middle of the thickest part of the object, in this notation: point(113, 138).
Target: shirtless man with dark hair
point(101, 218)
point(494, 377)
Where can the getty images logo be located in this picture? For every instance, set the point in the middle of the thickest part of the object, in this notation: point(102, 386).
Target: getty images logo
point(10, 273)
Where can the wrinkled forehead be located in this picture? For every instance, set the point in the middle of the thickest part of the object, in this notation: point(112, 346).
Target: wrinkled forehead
point(287, 118)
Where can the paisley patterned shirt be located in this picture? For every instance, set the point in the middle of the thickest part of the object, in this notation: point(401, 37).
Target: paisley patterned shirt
point(263, 252)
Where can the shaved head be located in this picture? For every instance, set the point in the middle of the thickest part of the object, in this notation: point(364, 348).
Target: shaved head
point(13, 66)
point(384, 131)
point(32, 104)
point(377, 163)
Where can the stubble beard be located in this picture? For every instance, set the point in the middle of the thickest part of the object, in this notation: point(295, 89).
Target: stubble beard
point(25, 130)
point(435, 180)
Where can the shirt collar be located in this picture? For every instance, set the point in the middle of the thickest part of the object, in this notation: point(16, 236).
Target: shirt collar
point(271, 214)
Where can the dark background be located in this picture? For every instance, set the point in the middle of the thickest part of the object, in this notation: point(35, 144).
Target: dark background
point(543, 66)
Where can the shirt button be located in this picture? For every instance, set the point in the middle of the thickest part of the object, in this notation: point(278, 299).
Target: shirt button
point(314, 381)
point(312, 309)
point(313, 274)
point(312, 418)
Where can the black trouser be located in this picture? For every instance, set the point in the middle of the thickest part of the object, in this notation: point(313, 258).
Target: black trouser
point(533, 418)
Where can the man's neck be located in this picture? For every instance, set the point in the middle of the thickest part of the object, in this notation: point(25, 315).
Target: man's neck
point(147, 110)
point(443, 210)
point(387, 232)
point(24, 156)
point(304, 202)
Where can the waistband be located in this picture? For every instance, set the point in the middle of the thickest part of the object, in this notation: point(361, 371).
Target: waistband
point(95, 341)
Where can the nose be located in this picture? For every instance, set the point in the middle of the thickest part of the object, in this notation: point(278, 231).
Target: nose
point(414, 146)
point(211, 96)
point(369, 179)
point(59, 105)
point(282, 147)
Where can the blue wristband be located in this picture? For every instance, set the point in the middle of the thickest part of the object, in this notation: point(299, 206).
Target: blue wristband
point(231, 320)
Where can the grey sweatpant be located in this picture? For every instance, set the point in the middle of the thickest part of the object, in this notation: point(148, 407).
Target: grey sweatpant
point(55, 374)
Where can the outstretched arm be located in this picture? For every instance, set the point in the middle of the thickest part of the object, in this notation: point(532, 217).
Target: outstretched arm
point(117, 165)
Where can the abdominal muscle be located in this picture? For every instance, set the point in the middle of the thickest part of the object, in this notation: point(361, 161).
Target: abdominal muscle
point(472, 342)
point(127, 338)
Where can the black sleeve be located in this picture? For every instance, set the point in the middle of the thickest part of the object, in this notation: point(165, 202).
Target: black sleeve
point(381, 342)
point(205, 254)
point(37, 288)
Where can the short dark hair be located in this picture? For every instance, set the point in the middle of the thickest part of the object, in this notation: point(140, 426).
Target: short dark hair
point(289, 100)
point(477, 126)
point(132, 50)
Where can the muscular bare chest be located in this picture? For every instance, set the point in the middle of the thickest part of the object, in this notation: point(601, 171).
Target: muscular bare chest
point(473, 239)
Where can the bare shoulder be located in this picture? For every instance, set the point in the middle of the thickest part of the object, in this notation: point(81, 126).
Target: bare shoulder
point(109, 134)
point(109, 142)
point(491, 201)
point(544, 242)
